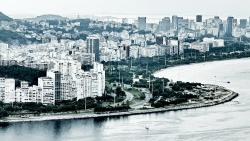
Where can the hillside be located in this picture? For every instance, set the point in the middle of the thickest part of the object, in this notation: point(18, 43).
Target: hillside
point(11, 37)
point(22, 73)
point(48, 17)
point(4, 17)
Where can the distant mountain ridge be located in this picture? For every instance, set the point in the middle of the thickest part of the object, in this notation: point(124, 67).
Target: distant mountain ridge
point(48, 17)
point(4, 17)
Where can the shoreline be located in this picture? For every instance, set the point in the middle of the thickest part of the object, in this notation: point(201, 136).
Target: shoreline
point(180, 107)
point(211, 61)
point(84, 115)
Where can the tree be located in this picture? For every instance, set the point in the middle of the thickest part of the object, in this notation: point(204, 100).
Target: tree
point(120, 92)
point(3, 113)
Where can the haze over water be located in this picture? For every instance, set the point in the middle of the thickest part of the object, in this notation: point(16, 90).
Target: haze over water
point(227, 122)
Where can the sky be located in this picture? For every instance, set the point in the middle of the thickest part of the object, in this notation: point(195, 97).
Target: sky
point(30, 8)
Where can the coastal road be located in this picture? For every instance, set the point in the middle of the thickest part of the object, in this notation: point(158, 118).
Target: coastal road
point(136, 104)
point(129, 97)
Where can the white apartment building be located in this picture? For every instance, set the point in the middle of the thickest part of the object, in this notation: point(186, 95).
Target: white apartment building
point(7, 90)
point(47, 90)
point(67, 67)
point(2, 89)
point(201, 47)
point(56, 77)
point(98, 79)
point(207, 44)
point(134, 51)
point(70, 81)
point(83, 85)
point(66, 88)
point(25, 89)
point(18, 95)
point(35, 95)
point(214, 42)
point(148, 51)
point(90, 84)
point(21, 94)
point(174, 47)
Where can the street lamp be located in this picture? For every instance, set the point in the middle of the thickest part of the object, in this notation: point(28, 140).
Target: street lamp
point(114, 95)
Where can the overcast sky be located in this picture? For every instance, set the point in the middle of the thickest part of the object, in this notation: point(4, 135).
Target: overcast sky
point(237, 8)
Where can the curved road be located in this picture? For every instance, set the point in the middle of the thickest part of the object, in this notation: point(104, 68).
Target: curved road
point(136, 104)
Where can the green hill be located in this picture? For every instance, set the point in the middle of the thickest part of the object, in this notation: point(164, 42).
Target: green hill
point(11, 37)
point(4, 17)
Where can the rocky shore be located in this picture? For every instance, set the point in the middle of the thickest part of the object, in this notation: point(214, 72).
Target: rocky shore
point(225, 95)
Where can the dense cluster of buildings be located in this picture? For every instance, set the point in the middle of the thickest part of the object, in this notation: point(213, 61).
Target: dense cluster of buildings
point(65, 79)
point(184, 27)
point(67, 44)
point(64, 82)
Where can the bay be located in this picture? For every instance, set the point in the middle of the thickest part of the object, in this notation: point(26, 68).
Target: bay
point(226, 122)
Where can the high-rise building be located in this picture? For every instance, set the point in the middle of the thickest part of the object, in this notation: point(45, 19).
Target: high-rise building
point(35, 95)
point(217, 21)
point(98, 79)
point(229, 27)
point(199, 18)
point(66, 88)
point(93, 45)
point(142, 23)
point(24, 88)
point(235, 22)
point(9, 90)
point(56, 77)
point(66, 67)
point(164, 24)
point(83, 84)
point(47, 90)
point(182, 23)
point(90, 84)
point(159, 40)
point(174, 22)
point(216, 17)
point(221, 30)
point(243, 23)
point(124, 21)
point(2, 89)
point(127, 50)
point(18, 95)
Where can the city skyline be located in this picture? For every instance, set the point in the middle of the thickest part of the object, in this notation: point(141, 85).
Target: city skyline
point(123, 70)
point(29, 8)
